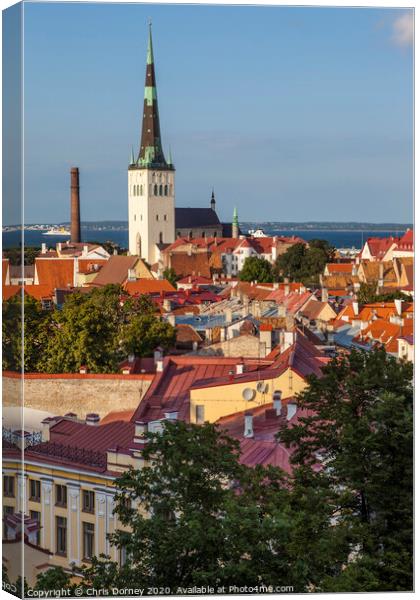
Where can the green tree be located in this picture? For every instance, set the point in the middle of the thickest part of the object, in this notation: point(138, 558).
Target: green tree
point(144, 333)
point(205, 519)
point(256, 268)
point(171, 276)
point(359, 424)
point(367, 294)
point(304, 263)
point(18, 355)
point(54, 578)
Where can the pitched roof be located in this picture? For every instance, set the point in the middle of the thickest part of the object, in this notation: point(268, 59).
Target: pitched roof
point(55, 272)
point(91, 265)
point(115, 270)
point(313, 309)
point(339, 267)
point(10, 290)
point(170, 389)
point(406, 242)
point(195, 217)
point(148, 286)
point(186, 333)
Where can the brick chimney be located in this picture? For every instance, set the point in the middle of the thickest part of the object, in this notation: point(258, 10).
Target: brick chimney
point(75, 206)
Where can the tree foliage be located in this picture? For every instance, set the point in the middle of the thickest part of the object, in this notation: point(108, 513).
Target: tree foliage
point(97, 330)
point(304, 263)
point(171, 276)
point(257, 269)
point(368, 294)
point(359, 424)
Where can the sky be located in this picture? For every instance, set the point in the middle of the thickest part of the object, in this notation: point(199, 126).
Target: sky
point(290, 113)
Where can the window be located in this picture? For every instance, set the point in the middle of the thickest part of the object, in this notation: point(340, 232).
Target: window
point(157, 217)
point(34, 490)
point(61, 495)
point(165, 217)
point(9, 486)
point(160, 190)
point(7, 510)
point(34, 514)
point(61, 535)
point(190, 235)
point(123, 555)
point(203, 234)
point(166, 190)
point(134, 190)
point(199, 414)
point(88, 501)
point(155, 191)
point(141, 190)
point(138, 190)
point(160, 238)
point(134, 217)
point(88, 540)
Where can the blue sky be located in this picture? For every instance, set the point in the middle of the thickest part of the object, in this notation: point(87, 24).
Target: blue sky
point(290, 113)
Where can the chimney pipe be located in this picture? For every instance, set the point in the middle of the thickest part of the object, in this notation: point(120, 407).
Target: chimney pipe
point(277, 401)
point(75, 206)
point(248, 426)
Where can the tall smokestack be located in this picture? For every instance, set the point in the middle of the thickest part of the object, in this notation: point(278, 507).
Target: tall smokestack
point(75, 206)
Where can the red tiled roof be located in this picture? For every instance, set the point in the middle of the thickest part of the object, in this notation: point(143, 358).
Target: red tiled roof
point(339, 267)
point(148, 286)
point(170, 389)
point(55, 272)
point(117, 415)
point(10, 290)
point(91, 265)
point(406, 242)
point(195, 280)
point(186, 333)
point(115, 270)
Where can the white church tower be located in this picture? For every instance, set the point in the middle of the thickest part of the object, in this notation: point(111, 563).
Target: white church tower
point(151, 180)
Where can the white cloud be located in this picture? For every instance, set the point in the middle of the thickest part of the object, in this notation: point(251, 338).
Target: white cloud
point(403, 30)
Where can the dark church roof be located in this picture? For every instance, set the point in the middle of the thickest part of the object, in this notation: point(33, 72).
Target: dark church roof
point(195, 217)
point(227, 230)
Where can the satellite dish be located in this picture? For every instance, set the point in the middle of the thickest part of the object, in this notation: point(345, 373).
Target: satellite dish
point(248, 394)
point(261, 387)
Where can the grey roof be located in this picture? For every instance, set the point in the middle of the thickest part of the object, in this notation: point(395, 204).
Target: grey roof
point(195, 217)
point(15, 271)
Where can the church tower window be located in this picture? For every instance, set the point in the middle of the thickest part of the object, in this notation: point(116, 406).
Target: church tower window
point(155, 191)
point(166, 190)
point(160, 238)
point(157, 217)
point(141, 190)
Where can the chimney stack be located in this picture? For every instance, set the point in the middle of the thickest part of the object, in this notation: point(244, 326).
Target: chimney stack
point(277, 402)
point(75, 206)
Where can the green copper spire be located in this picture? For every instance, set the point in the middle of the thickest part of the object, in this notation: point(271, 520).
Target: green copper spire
point(132, 161)
point(170, 157)
point(151, 152)
point(235, 217)
point(150, 46)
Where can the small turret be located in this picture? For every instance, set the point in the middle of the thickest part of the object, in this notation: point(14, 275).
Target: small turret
point(213, 201)
point(235, 224)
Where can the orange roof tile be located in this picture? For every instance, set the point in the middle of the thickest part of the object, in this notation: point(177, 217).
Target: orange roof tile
point(55, 272)
point(148, 286)
point(10, 290)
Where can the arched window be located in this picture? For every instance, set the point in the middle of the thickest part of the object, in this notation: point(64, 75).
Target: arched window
point(157, 217)
point(138, 244)
point(164, 217)
point(160, 190)
point(134, 190)
point(155, 190)
point(166, 190)
point(150, 189)
point(160, 238)
point(138, 190)
point(134, 217)
point(141, 190)
point(190, 235)
point(178, 234)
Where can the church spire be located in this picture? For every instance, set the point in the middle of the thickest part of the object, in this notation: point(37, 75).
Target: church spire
point(151, 152)
point(235, 224)
point(213, 200)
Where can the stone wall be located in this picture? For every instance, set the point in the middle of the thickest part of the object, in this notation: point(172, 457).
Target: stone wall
point(81, 394)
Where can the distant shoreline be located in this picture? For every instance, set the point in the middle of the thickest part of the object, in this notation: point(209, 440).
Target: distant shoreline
point(313, 227)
